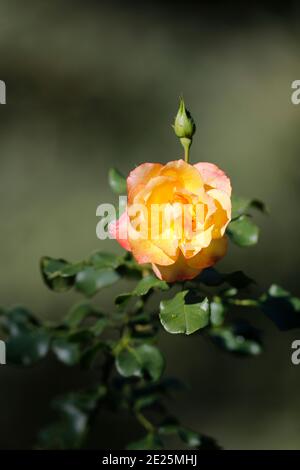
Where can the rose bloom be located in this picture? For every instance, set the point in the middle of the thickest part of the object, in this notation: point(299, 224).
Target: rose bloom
point(194, 209)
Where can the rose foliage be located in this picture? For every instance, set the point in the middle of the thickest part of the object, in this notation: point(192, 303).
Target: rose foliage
point(176, 289)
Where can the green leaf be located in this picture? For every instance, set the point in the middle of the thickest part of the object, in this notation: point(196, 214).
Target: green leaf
point(99, 326)
point(60, 275)
point(150, 442)
point(148, 283)
point(239, 339)
point(142, 360)
point(277, 291)
point(102, 259)
point(117, 181)
point(281, 307)
point(217, 312)
point(90, 354)
point(127, 363)
point(83, 400)
point(130, 268)
point(72, 269)
point(57, 274)
point(82, 311)
point(241, 205)
point(122, 299)
point(207, 443)
point(228, 293)
point(66, 351)
point(27, 342)
point(168, 427)
point(79, 335)
point(243, 232)
point(91, 280)
point(59, 435)
point(211, 277)
point(27, 347)
point(16, 319)
point(178, 317)
point(146, 401)
point(78, 313)
point(151, 360)
point(143, 287)
point(189, 437)
point(74, 410)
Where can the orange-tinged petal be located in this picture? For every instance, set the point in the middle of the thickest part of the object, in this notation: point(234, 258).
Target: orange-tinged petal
point(140, 176)
point(158, 190)
point(178, 271)
point(222, 216)
point(186, 175)
point(145, 251)
point(198, 242)
point(168, 245)
point(222, 198)
point(118, 230)
point(210, 255)
point(214, 177)
point(184, 269)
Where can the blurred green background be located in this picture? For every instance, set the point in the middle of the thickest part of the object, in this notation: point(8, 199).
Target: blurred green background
point(92, 85)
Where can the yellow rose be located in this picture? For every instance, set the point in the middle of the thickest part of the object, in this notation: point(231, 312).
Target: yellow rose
point(176, 217)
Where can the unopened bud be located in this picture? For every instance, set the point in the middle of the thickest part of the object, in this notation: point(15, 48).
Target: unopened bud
point(184, 125)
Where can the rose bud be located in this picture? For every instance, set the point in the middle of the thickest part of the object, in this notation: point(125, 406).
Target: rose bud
point(184, 125)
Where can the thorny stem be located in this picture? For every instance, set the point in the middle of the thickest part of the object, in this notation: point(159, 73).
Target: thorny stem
point(106, 373)
point(244, 302)
point(144, 422)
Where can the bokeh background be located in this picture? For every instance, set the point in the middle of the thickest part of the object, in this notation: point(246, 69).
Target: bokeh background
point(94, 84)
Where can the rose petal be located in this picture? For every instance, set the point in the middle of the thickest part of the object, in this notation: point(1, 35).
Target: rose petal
point(145, 251)
point(197, 243)
point(210, 255)
point(187, 176)
point(158, 190)
point(140, 176)
point(213, 176)
point(118, 229)
point(178, 271)
point(222, 215)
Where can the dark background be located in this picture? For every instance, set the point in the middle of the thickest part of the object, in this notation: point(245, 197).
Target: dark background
point(93, 84)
